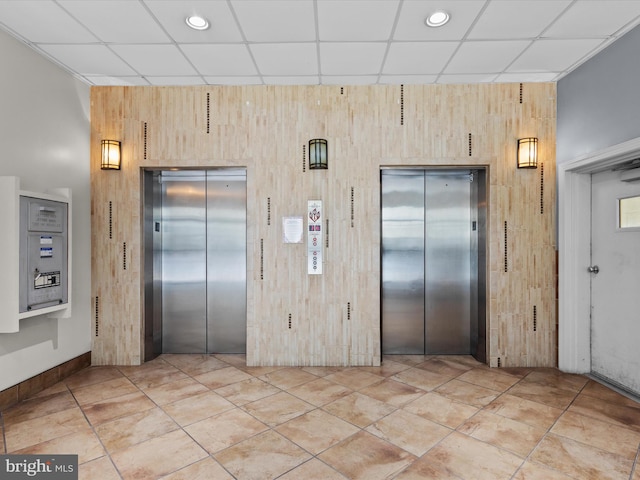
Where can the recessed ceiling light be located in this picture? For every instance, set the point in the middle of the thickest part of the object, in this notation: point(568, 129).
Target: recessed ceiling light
point(437, 19)
point(197, 23)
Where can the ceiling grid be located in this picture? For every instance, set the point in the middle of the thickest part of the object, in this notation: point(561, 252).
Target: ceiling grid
point(311, 42)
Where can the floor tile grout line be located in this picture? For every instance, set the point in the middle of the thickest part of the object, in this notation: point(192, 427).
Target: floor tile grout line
point(635, 463)
point(269, 427)
point(4, 436)
point(398, 408)
point(182, 428)
point(95, 433)
point(107, 452)
point(549, 432)
point(313, 455)
point(425, 392)
point(482, 409)
point(576, 394)
point(395, 410)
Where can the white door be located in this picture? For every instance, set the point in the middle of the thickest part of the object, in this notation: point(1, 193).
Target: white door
point(615, 289)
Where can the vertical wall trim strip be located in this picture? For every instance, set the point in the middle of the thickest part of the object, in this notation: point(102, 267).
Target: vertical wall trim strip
point(401, 104)
point(145, 140)
point(326, 236)
point(506, 264)
point(262, 259)
point(208, 112)
point(541, 188)
point(304, 158)
point(353, 210)
point(521, 88)
point(97, 315)
point(110, 219)
point(268, 210)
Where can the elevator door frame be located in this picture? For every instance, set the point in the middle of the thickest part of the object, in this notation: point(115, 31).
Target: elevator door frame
point(479, 287)
point(152, 263)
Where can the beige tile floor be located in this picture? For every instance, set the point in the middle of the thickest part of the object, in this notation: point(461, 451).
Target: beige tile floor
point(415, 417)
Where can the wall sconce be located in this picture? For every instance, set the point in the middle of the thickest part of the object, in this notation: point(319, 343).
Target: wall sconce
point(318, 154)
point(110, 155)
point(528, 152)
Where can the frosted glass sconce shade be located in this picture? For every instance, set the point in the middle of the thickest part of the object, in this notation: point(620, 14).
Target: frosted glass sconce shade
point(110, 155)
point(528, 153)
point(318, 154)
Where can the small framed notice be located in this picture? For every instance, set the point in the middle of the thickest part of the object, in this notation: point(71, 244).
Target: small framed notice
point(292, 229)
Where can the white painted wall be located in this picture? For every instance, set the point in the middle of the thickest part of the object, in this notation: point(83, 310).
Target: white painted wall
point(44, 140)
point(597, 127)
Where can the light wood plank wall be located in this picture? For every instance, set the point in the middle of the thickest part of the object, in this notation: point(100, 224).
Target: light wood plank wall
point(335, 318)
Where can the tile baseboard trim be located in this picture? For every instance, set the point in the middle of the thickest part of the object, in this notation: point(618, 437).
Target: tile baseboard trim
point(46, 379)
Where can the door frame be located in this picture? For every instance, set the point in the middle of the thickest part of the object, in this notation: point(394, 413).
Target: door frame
point(482, 353)
point(574, 251)
point(148, 348)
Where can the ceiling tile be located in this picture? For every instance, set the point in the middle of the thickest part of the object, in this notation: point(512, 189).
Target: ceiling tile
point(89, 59)
point(589, 19)
point(485, 57)
point(411, 24)
point(467, 78)
point(349, 80)
point(317, 41)
point(172, 15)
point(175, 81)
point(351, 58)
point(521, 19)
point(425, 58)
point(276, 20)
point(306, 80)
point(280, 59)
point(552, 55)
point(407, 79)
point(233, 80)
point(526, 77)
point(116, 21)
point(155, 60)
point(221, 59)
point(104, 80)
point(355, 20)
point(42, 22)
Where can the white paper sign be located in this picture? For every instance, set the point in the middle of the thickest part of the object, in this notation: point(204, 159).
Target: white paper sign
point(292, 228)
point(314, 237)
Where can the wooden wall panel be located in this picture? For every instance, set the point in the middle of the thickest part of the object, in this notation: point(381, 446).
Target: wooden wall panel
point(333, 319)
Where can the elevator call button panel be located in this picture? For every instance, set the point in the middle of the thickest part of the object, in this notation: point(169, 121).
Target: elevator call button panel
point(43, 253)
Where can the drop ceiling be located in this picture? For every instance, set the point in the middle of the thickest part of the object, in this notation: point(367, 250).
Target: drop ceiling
point(310, 42)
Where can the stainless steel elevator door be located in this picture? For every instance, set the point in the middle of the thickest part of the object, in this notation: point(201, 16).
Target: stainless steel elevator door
point(204, 261)
point(403, 261)
point(447, 264)
point(184, 262)
point(426, 261)
point(226, 261)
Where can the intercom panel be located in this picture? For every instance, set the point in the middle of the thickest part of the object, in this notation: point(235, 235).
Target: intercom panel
point(43, 253)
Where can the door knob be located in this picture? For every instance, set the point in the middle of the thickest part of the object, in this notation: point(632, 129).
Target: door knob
point(593, 269)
